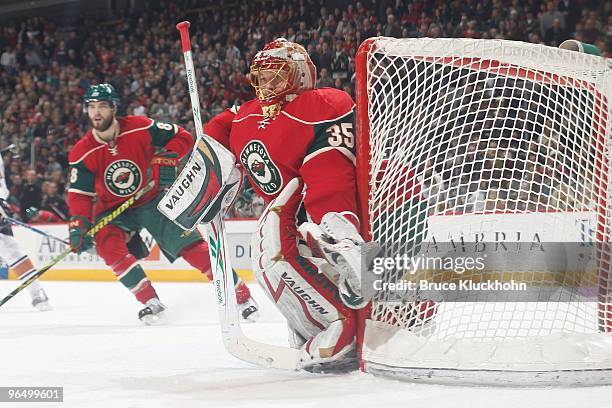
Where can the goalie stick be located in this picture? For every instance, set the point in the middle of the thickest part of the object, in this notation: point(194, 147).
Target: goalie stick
point(93, 231)
point(236, 343)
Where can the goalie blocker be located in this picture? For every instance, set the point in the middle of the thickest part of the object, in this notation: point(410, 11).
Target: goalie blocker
point(207, 185)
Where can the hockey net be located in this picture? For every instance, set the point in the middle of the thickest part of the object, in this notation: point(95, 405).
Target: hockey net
point(485, 144)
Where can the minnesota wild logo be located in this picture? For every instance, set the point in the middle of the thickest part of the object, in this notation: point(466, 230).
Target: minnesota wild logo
point(263, 171)
point(122, 178)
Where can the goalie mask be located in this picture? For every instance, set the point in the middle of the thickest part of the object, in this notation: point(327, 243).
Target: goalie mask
point(280, 71)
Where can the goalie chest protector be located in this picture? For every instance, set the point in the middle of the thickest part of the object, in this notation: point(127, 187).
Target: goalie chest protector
point(272, 150)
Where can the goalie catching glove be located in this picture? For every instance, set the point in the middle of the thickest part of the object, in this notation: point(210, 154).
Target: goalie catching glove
point(337, 240)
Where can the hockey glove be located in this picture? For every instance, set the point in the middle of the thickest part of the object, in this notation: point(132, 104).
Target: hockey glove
point(80, 241)
point(165, 165)
point(31, 213)
point(337, 240)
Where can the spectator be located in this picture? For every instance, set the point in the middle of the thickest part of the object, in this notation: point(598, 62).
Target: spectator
point(8, 58)
point(30, 193)
point(324, 80)
point(54, 203)
point(325, 57)
point(591, 32)
point(555, 34)
point(340, 63)
point(548, 17)
point(392, 28)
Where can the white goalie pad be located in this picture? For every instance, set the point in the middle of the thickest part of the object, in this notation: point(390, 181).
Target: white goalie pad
point(207, 185)
point(308, 310)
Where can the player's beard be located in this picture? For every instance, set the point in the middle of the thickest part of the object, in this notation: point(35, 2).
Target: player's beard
point(104, 124)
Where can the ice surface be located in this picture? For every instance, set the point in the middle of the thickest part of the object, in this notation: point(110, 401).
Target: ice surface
point(93, 345)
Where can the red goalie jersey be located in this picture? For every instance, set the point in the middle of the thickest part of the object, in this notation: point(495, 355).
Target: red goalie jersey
point(312, 138)
point(114, 172)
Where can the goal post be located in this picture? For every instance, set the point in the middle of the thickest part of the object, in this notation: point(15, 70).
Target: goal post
point(487, 149)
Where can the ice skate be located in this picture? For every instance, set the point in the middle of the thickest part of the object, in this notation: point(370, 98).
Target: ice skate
point(249, 311)
point(153, 313)
point(247, 307)
point(40, 301)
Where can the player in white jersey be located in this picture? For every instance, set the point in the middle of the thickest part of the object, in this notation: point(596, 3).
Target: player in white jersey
point(17, 260)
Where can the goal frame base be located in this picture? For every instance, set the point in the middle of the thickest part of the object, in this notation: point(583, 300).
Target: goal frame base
point(497, 378)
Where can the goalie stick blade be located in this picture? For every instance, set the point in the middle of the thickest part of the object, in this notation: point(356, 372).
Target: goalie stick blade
point(261, 354)
point(234, 340)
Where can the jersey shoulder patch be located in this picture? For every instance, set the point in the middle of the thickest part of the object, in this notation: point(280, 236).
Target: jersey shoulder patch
point(320, 105)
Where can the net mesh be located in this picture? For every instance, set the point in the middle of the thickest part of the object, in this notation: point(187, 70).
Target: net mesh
point(488, 141)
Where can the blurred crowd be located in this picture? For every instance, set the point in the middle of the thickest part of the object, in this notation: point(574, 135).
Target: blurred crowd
point(45, 66)
point(506, 145)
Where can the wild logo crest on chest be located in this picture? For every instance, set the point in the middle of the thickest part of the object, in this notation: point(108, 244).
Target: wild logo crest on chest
point(122, 177)
point(262, 169)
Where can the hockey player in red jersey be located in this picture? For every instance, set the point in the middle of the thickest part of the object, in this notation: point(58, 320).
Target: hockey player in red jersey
point(297, 146)
point(111, 162)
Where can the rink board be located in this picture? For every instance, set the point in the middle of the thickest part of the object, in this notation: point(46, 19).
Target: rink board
point(576, 226)
point(90, 267)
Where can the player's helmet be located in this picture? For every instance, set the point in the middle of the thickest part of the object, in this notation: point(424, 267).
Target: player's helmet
point(101, 92)
point(281, 68)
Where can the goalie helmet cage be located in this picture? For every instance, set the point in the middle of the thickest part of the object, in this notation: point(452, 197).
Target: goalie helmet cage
point(460, 138)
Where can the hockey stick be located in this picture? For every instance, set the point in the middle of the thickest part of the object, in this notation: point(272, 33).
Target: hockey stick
point(36, 230)
point(43, 233)
point(93, 231)
point(235, 341)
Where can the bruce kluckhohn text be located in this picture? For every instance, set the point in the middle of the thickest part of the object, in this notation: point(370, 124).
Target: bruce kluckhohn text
point(406, 265)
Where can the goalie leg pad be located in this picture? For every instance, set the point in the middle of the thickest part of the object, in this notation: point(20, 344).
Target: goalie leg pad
point(303, 294)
